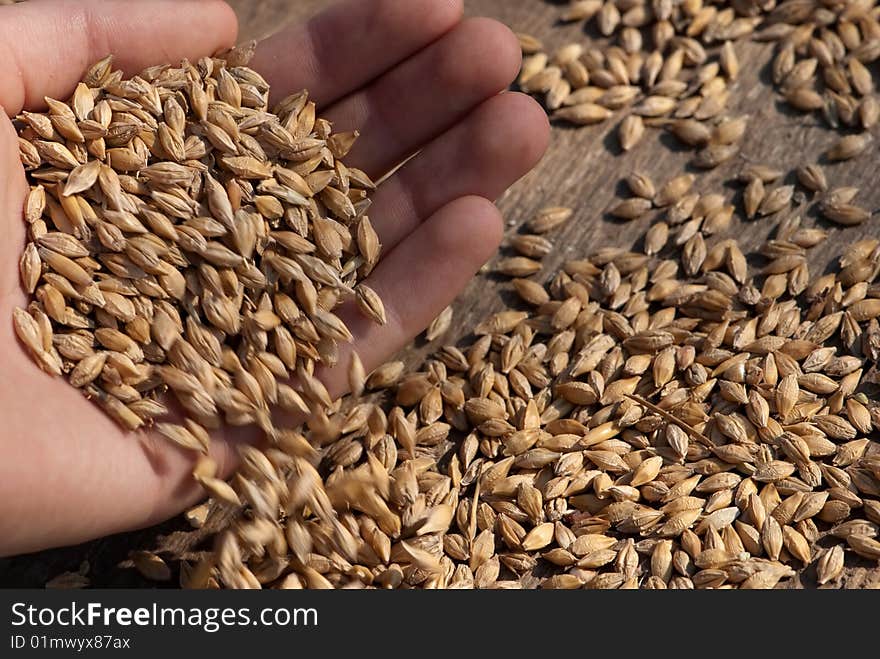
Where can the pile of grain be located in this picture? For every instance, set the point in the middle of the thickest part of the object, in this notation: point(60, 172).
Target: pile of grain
point(182, 237)
point(653, 62)
point(662, 418)
point(670, 65)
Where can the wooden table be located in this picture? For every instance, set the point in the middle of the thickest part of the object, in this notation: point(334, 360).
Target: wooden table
point(578, 172)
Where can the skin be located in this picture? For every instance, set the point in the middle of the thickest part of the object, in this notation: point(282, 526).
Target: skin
point(412, 75)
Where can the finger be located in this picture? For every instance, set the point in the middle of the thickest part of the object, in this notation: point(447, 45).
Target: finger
point(427, 93)
point(48, 45)
point(14, 188)
point(483, 155)
point(350, 44)
point(418, 280)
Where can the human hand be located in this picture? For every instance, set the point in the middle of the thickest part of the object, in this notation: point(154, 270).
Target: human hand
point(411, 75)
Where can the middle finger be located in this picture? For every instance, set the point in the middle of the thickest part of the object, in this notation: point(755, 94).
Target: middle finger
point(483, 155)
point(426, 94)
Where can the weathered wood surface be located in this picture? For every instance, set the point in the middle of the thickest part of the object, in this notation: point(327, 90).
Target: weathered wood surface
point(578, 171)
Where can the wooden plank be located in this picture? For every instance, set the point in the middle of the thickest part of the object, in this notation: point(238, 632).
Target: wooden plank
point(579, 170)
point(259, 19)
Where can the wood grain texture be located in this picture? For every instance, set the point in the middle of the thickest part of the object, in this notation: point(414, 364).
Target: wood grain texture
point(261, 18)
point(577, 171)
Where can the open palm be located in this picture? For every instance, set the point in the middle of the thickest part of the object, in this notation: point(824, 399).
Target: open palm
point(411, 75)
